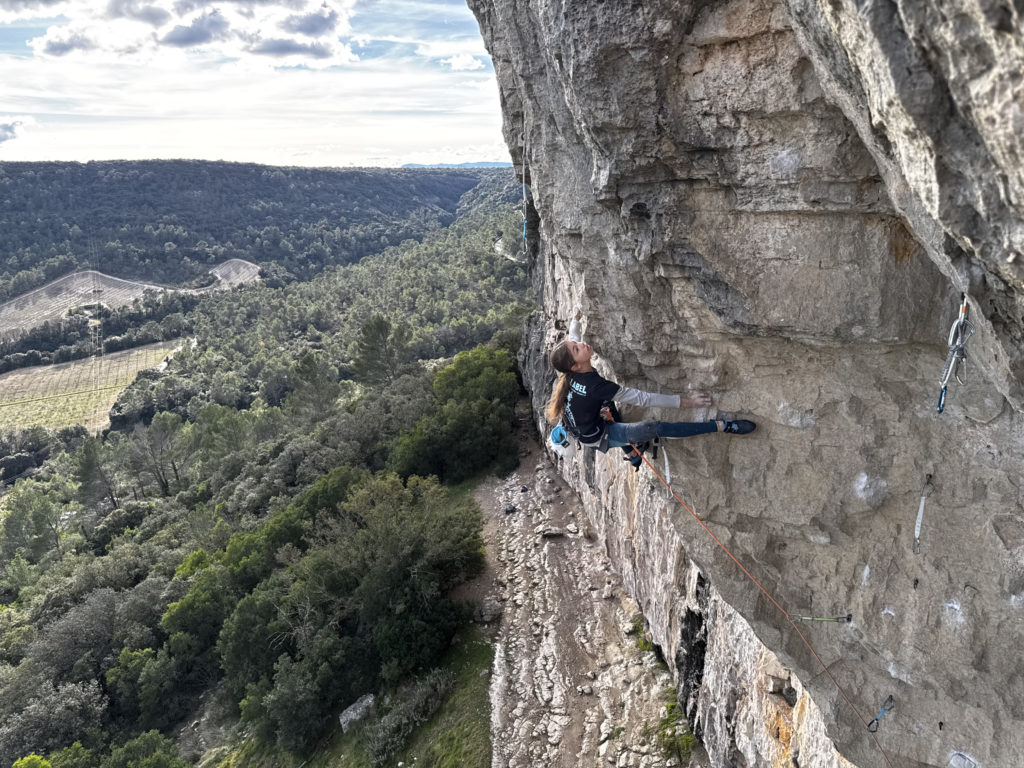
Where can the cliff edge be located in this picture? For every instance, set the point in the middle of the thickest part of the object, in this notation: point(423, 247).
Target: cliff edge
point(781, 203)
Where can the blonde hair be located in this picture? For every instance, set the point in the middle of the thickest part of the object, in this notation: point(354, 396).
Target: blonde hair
point(561, 360)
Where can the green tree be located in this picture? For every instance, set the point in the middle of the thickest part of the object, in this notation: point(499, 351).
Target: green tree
point(469, 425)
point(294, 706)
point(381, 350)
point(31, 521)
point(32, 761)
point(95, 482)
point(19, 573)
point(254, 637)
point(193, 623)
point(156, 450)
point(123, 683)
point(150, 750)
point(162, 693)
point(315, 387)
point(75, 756)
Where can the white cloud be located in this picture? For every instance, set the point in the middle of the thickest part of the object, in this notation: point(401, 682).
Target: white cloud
point(226, 28)
point(11, 127)
point(316, 24)
point(463, 62)
point(272, 81)
point(13, 10)
point(437, 49)
point(203, 29)
point(147, 13)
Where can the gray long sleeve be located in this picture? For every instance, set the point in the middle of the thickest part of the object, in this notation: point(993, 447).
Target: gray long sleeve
point(646, 399)
point(574, 330)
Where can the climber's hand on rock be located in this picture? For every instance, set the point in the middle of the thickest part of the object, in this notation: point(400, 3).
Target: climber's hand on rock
point(579, 313)
point(695, 400)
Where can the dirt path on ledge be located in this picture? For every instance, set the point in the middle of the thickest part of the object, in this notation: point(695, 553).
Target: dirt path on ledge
point(570, 685)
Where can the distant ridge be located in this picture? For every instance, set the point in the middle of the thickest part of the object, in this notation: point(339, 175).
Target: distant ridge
point(458, 165)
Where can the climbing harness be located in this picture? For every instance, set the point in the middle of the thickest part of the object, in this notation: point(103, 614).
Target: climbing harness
point(840, 619)
point(961, 330)
point(887, 706)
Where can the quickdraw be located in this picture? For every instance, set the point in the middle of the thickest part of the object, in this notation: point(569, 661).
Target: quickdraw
point(887, 706)
point(848, 618)
point(956, 359)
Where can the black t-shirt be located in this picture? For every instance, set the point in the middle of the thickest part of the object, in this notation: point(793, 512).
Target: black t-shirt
point(588, 392)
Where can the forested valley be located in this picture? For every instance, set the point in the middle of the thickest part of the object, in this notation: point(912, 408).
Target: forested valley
point(168, 222)
point(274, 522)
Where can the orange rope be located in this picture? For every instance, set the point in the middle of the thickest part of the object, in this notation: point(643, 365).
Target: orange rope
point(770, 597)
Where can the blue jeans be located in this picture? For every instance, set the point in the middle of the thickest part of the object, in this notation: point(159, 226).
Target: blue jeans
point(621, 434)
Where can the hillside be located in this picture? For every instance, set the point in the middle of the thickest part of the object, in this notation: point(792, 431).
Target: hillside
point(168, 222)
point(53, 301)
point(258, 542)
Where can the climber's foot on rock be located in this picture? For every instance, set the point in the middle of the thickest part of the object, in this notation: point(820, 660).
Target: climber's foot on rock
point(736, 426)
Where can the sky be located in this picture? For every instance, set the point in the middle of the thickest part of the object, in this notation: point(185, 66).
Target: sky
point(327, 83)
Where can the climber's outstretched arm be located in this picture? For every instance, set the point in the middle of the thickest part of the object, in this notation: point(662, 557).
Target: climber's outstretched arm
point(654, 400)
point(574, 326)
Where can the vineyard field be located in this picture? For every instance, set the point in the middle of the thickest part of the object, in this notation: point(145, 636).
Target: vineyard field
point(79, 392)
point(231, 273)
point(53, 300)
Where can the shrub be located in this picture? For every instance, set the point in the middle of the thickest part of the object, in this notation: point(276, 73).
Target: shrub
point(414, 705)
point(150, 750)
point(75, 756)
point(469, 425)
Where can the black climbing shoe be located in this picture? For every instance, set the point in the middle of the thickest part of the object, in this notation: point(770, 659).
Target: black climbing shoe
point(738, 426)
point(636, 459)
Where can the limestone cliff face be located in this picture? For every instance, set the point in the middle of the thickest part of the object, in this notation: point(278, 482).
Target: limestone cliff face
point(780, 203)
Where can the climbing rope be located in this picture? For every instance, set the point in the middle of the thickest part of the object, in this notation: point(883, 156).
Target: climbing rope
point(956, 359)
point(792, 620)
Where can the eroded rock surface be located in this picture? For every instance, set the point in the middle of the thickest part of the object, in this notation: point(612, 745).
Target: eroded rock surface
point(780, 203)
point(571, 686)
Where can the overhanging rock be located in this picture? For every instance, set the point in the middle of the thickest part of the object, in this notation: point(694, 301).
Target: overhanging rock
point(780, 203)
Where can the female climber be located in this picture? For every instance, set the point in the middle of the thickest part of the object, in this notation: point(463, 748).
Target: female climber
point(584, 402)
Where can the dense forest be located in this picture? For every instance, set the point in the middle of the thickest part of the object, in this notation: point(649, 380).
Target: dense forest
point(272, 527)
point(169, 221)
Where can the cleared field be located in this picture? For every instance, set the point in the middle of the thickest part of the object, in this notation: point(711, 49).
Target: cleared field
point(53, 300)
point(233, 272)
point(79, 392)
